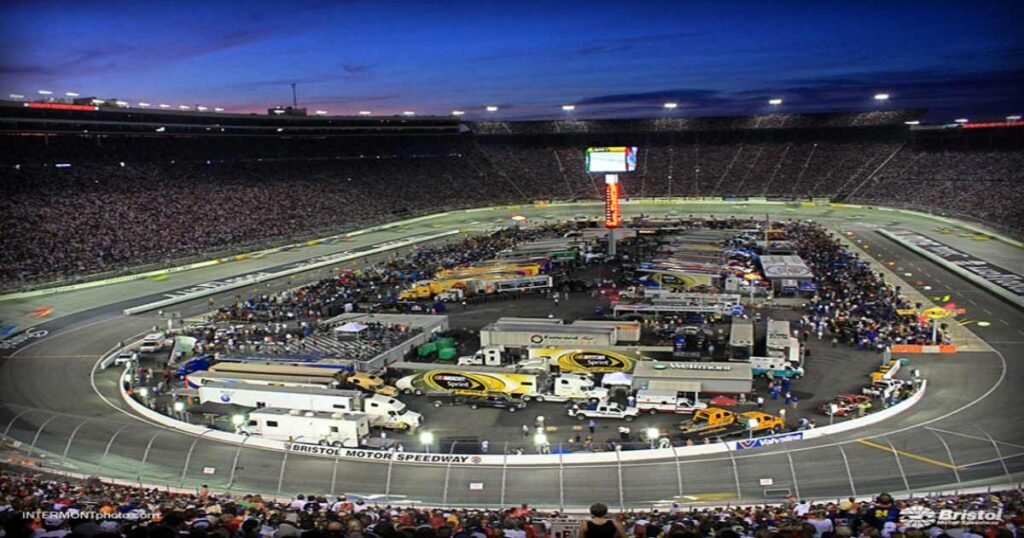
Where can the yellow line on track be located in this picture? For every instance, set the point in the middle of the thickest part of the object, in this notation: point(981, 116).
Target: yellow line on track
point(909, 454)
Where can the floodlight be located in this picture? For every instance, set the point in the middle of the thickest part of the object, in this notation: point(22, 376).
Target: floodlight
point(408, 113)
point(218, 109)
point(164, 105)
point(881, 97)
point(1013, 118)
point(671, 105)
point(492, 108)
point(45, 92)
point(321, 112)
point(775, 102)
point(71, 94)
point(912, 122)
point(201, 108)
point(458, 112)
point(568, 108)
point(961, 120)
point(426, 437)
point(16, 96)
point(143, 105)
point(365, 113)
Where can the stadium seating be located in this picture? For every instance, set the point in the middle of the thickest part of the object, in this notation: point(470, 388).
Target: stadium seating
point(128, 201)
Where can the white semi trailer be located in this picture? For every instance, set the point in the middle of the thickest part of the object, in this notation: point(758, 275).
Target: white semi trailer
point(381, 411)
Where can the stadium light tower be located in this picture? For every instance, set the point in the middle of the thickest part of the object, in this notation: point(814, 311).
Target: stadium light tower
point(881, 97)
point(492, 108)
point(143, 105)
point(568, 108)
point(45, 92)
point(961, 120)
point(218, 109)
point(321, 112)
point(408, 113)
point(671, 105)
point(775, 102)
point(71, 94)
point(365, 113)
point(458, 112)
point(165, 105)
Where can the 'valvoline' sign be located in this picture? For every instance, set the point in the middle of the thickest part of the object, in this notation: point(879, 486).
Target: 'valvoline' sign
point(769, 441)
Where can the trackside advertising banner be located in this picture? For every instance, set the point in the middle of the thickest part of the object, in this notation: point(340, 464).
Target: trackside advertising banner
point(761, 442)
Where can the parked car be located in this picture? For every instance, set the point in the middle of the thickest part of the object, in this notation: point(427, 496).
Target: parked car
point(495, 401)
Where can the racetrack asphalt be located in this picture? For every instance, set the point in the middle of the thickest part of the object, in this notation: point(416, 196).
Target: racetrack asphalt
point(965, 430)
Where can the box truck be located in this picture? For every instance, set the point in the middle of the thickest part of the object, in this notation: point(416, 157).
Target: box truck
point(524, 335)
point(312, 427)
point(382, 411)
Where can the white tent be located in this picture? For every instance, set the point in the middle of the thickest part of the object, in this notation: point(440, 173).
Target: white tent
point(352, 327)
point(617, 379)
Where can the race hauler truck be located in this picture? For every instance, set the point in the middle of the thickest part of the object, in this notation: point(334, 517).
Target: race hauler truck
point(311, 427)
point(526, 335)
point(539, 387)
point(381, 411)
point(337, 376)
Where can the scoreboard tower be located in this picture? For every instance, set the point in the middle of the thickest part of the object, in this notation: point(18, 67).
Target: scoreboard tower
point(611, 162)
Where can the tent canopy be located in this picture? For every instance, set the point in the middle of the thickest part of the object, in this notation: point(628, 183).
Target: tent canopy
point(351, 327)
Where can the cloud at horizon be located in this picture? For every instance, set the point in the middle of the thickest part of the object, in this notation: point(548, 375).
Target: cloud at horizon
point(610, 59)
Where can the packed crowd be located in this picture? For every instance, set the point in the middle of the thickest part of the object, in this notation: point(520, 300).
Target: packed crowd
point(379, 283)
point(300, 339)
point(39, 506)
point(853, 304)
point(102, 214)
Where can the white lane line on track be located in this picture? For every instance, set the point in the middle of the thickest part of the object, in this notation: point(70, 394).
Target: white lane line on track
point(48, 336)
point(987, 311)
point(993, 460)
point(975, 437)
point(1004, 322)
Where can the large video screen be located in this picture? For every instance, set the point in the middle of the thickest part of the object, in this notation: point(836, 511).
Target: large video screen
point(611, 160)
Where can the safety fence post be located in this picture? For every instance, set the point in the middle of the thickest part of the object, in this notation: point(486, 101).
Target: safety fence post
point(11, 423)
point(145, 456)
point(792, 473)
point(618, 468)
point(234, 463)
point(387, 485)
point(679, 469)
point(71, 438)
point(735, 469)
point(447, 475)
point(956, 470)
point(899, 464)
point(561, 481)
point(504, 473)
point(849, 474)
point(280, 475)
point(999, 454)
point(188, 458)
point(99, 466)
point(334, 473)
point(35, 439)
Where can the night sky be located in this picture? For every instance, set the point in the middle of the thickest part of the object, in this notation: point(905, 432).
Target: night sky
point(611, 59)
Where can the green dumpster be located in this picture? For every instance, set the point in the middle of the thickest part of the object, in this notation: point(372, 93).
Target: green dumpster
point(446, 353)
point(426, 349)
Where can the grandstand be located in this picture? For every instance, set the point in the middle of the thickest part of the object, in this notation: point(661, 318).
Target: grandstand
point(103, 188)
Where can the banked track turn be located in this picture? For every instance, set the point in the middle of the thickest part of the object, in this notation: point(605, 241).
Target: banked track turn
point(964, 431)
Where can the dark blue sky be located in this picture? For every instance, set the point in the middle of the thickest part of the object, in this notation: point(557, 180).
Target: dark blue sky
point(963, 58)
